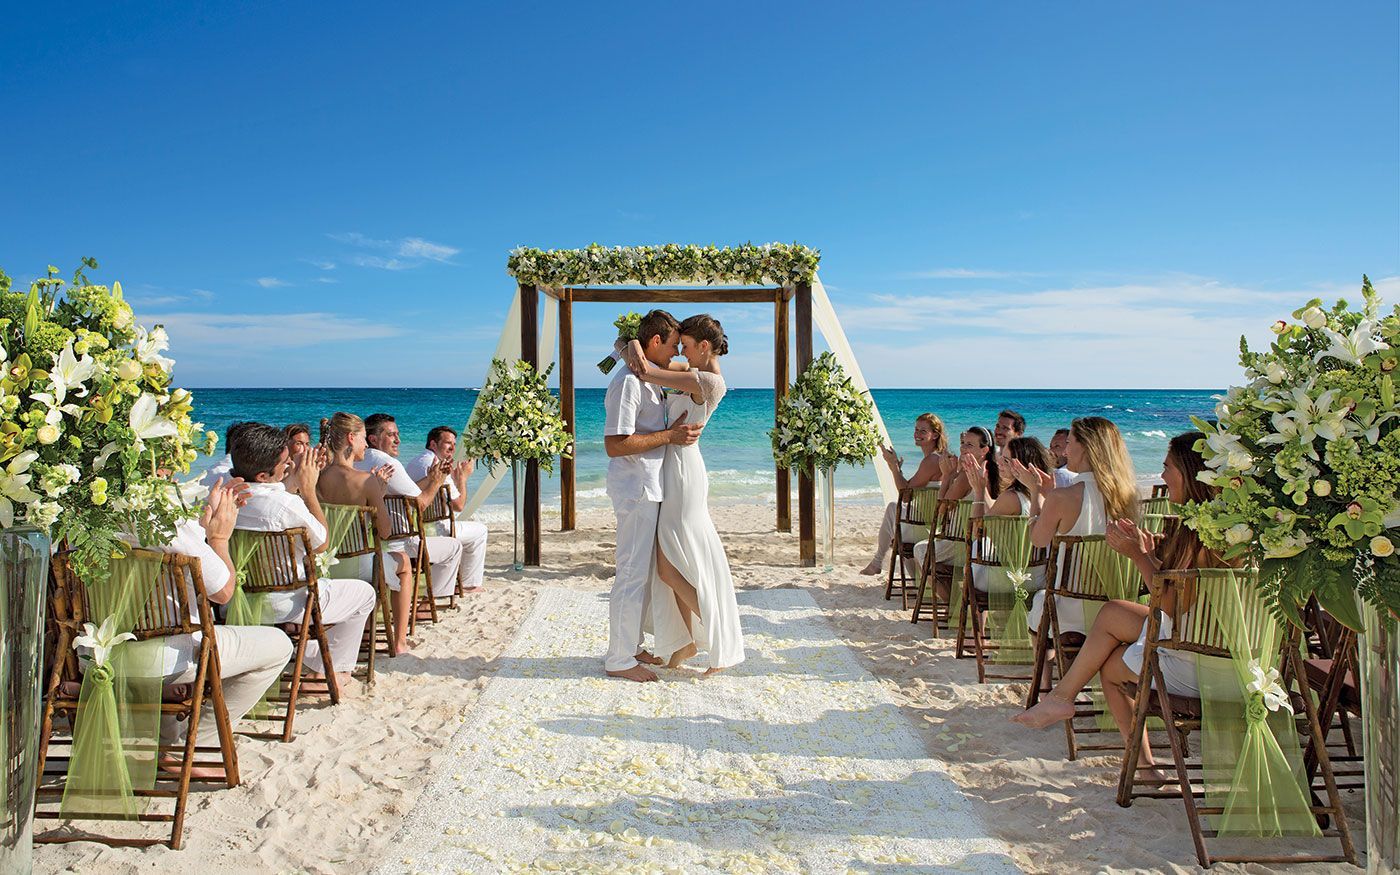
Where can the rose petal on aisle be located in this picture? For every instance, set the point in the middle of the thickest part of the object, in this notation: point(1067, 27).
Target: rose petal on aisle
point(795, 761)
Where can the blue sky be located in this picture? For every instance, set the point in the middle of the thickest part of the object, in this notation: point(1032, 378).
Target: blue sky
point(1016, 194)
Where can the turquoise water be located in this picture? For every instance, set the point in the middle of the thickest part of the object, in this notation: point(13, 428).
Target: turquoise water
point(736, 441)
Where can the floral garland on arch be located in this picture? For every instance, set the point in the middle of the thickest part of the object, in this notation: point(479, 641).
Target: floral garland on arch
point(516, 417)
point(748, 264)
point(1307, 458)
point(89, 422)
point(824, 421)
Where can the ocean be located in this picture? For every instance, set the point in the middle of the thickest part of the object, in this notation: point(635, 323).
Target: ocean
point(735, 442)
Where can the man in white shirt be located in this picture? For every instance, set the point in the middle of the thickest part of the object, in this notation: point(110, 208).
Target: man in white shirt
point(635, 436)
point(1010, 424)
point(261, 458)
point(251, 658)
point(1058, 448)
point(444, 554)
point(221, 469)
point(442, 444)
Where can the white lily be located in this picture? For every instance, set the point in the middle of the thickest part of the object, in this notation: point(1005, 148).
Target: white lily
point(56, 409)
point(14, 486)
point(102, 640)
point(1268, 684)
point(1227, 451)
point(146, 420)
point(1352, 348)
point(1309, 419)
point(106, 453)
point(149, 346)
point(70, 372)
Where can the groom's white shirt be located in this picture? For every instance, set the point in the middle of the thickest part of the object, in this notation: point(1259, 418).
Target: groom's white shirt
point(634, 407)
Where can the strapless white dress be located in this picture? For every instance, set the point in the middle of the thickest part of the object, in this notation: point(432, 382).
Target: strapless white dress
point(686, 535)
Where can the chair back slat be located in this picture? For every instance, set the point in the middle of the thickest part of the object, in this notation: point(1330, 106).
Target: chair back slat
point(952, 519)
point(983, 534)
point(171, 608)
point(403, 517)
point(280, 563)
point(1196, 625)
point(1159, 490)
point(360, 536)
point(441, 508)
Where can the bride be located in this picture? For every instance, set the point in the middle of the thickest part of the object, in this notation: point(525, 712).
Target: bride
point(692, 594)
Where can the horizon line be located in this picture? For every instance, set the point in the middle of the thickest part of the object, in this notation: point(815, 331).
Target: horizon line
point(750, 388)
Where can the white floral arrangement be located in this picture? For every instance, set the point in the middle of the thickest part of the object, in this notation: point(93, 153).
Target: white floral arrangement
point(89, 422)
point(1307, 458)
point(749, 264)
point(516, 417)
point(824, 421)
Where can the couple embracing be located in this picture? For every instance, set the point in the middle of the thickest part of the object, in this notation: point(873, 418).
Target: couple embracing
point(672, 574)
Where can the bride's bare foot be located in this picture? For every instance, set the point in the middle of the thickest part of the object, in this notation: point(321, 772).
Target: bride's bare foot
point(873, 568)
point(1047, 712)
point(680, 656)
point(710, 672)
point(646, 658)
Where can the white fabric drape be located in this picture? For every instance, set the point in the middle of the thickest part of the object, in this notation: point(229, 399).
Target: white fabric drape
point(508, 350)
point(824, 316)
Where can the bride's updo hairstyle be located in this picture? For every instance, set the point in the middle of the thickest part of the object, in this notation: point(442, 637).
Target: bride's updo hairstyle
point(336, 431)
point(703, 326)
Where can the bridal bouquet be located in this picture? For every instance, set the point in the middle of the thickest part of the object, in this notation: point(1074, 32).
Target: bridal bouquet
point(824, 421)
point(1307, 458)
point(627, 326)
point(516, 418)
point(89, 422)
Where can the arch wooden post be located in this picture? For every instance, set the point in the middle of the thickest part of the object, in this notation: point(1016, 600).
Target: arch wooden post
point(568, 513)
point(806, 491)
point(530, 352)
point(780, 390)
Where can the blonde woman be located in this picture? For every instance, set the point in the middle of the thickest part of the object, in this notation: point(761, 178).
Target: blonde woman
point(932, 440)
point(1106, 489)
point(340, 483)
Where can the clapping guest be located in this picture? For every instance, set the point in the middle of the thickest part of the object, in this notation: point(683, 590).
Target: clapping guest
point(298, 442)
point(1020, 454)
point(976, 446)
point(442, 445)
point(1063, 475)
point(1104, 489)
point(261, 458)
point(1010, 424)
point(382, 458)
point(932, 441)
point(343, 436)
point(1117, 642)
point(221, 470)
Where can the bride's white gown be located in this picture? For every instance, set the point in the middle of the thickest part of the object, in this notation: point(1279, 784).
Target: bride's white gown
point(687, 536)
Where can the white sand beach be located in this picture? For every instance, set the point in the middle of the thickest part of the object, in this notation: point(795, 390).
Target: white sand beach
point(336, 798)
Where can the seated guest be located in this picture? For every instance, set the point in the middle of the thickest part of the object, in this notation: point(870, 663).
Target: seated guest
point(382, 459)
point(340, 483)
point(1063, 475)
point(251, 658)
point(442, 444)
point(1015, 498)
point(1010, 424)
point(261, 458)
point(976, 447)
point(932, 442)
point(1116, 643)
point(298, 442)
point(221, 470)
point(1104, 489)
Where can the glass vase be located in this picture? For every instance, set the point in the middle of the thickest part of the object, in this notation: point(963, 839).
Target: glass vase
point(24, 584)
point(826, 498)
point(1379, 650)
point(517, 486)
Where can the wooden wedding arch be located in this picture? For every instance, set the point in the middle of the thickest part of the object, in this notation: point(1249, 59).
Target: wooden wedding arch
point(777, 296)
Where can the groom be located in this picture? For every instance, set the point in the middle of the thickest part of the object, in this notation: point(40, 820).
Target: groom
point(635, 435)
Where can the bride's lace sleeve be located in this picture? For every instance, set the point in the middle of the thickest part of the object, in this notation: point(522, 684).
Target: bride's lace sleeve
point(712, 388)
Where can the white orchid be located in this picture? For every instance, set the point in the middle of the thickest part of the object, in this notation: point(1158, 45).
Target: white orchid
point(102, 640)
point(149, 345)
point(146, 421)
point(70, 372)
point(1226, 451)
point(1352, 348)
point(14, 486)
point(1268, 684)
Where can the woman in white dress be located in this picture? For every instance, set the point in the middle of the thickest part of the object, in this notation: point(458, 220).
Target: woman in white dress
point(932, 441)
point(1014, 500)
point(693, 607)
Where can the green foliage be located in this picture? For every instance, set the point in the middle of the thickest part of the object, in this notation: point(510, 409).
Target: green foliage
point(824, 421)
point(780, 263)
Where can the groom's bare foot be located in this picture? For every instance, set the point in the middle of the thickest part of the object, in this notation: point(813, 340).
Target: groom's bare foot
point(639, 673)
point(646, 658)
point(680, 656)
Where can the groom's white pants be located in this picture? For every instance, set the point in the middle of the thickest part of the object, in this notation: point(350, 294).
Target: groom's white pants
point(636, 551)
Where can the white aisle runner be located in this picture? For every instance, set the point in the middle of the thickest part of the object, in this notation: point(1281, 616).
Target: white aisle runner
point(795, 761)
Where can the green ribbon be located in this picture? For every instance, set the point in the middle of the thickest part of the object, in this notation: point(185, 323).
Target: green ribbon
point(955, 528)
point(1007, 590)
point(116, 730)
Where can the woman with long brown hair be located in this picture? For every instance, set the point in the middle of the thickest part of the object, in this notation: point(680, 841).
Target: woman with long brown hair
point(1115, 645)
point(932, 440)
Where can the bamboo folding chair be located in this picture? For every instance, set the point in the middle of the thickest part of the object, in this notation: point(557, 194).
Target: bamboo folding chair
point(952, 522)
point(440, 511)
point(1071, 575)
point(166, 613)
point(1193, 631)
point(274, 567)
point(1333, 679)
point(926, 601)
point(1159, 490)
point(914, 510)
point(406, 523)
point(362, 539)
point(977, 606)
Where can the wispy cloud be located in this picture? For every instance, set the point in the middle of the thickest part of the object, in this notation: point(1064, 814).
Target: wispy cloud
point(266, 331)
point(322, 263)
point(327, 279)
point(405, 253)
point(965, 273)
point(271, 282)
point(169, 300)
